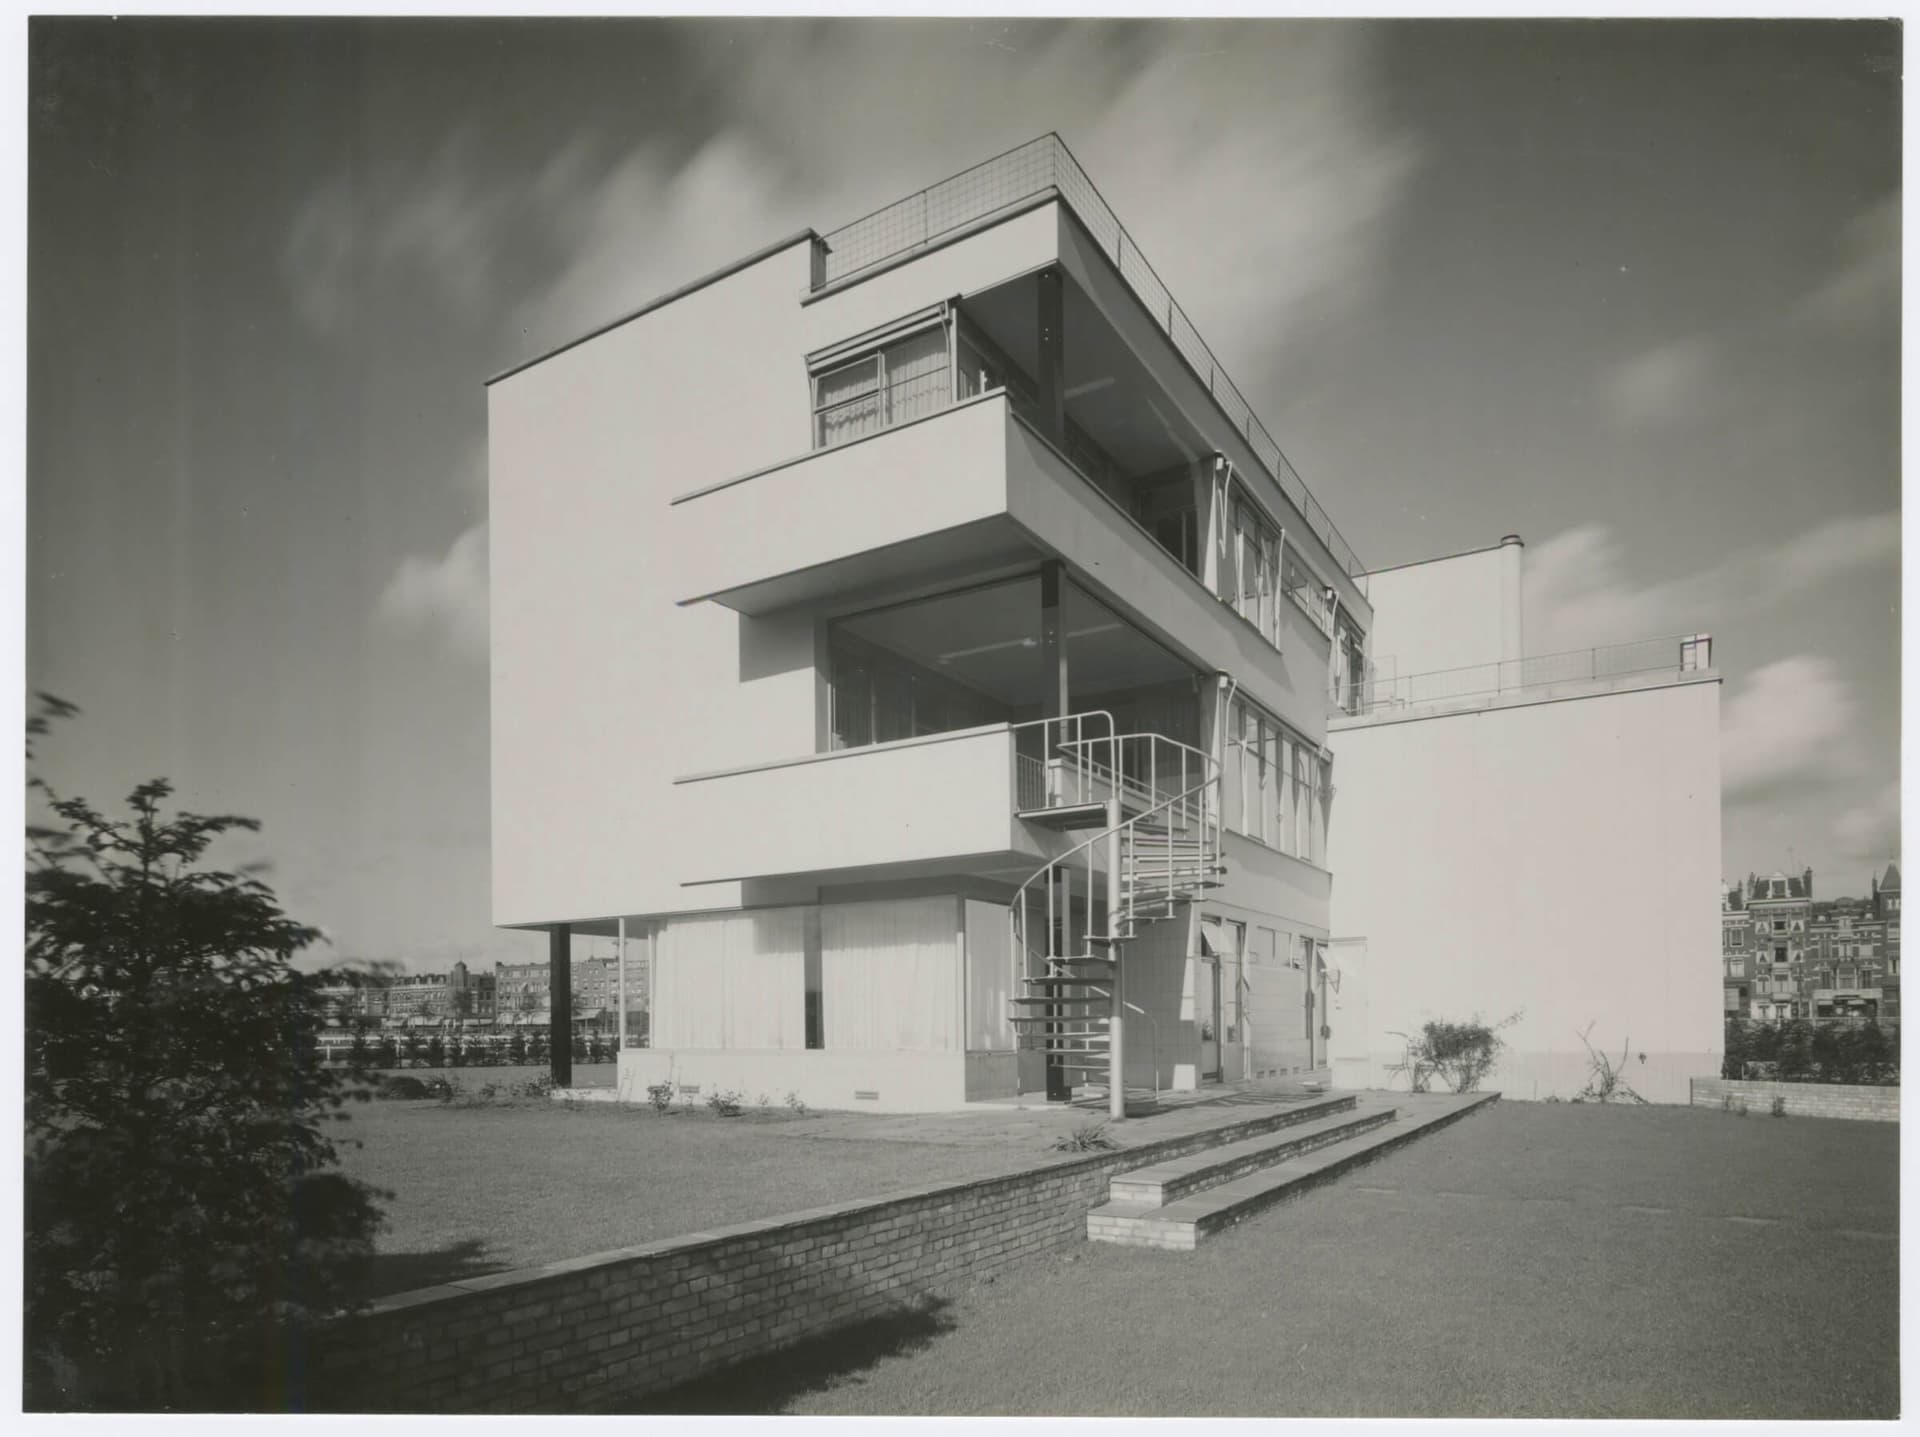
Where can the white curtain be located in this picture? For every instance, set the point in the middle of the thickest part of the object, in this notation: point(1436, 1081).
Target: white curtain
point(731, 980)
point(890, 977)
point(765, 1002)
point(989, 977)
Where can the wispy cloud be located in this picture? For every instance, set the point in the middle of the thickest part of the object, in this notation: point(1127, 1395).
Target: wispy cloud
point(1663, 385)
point(1579, 591)
point(1311, 186)
point(1869, 833)
point(1791, 724)
point(1864, 286)
point(443, 595)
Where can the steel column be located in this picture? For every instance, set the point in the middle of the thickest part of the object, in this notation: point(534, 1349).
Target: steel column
point(1116, 1050)
point(560, 1004)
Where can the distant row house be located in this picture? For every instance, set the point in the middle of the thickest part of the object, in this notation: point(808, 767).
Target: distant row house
point(1785, 955)
point(512, 995)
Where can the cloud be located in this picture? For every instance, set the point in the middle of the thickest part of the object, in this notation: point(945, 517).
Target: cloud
point(1578, 591)
point(651, 223)
point(1869, 832)
point(444, 595)
point(1664, 384)
point(1864, 286)
point(1791, 725)
point(1290, 206)
point(450, 226)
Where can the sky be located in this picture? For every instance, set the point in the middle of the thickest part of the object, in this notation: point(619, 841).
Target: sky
point(1630, 290)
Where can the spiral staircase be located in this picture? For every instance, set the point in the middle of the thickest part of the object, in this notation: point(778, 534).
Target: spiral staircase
point(1154, 806)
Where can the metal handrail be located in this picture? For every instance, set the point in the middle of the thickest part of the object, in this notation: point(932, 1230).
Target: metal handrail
point(1045, 165)
point(1679, 653)
point(1128, 831)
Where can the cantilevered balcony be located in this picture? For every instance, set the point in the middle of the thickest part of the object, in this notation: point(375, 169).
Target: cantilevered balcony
point(965, 491)
point(994, 801)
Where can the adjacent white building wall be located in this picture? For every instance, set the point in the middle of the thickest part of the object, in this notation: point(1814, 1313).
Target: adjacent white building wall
point(1447, 613)
point(1559, 859)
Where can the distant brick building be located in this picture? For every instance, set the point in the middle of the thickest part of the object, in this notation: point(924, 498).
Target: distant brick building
point(1784, 954)
point(1780, 907)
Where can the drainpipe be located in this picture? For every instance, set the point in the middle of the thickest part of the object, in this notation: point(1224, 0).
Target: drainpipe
point(1116, 1049)
point(621, 950)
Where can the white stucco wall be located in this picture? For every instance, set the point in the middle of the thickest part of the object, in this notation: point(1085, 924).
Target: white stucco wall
point(1558, 858)
point(1447, 613)
point(594, 669)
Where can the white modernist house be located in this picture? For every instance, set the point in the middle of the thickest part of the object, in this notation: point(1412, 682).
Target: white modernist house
point(913, 639)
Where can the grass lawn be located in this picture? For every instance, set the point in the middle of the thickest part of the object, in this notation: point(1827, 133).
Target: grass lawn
point(1534, 1260)
point(480, 1189)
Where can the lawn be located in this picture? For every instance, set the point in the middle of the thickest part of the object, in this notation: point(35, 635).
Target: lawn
point(480, 1189)
point(1534, 1260)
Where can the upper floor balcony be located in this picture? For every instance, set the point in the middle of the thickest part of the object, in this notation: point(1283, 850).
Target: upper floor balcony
point(971, 490)
point(1040, 170)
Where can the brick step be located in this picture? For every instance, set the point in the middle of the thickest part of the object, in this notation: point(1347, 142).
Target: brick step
point(1168, 1182)
point(1182, 1224)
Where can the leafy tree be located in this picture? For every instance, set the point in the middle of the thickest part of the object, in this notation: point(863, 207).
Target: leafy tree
point(537, 1047)
point(183, 1216)
point(410, 1048)
point(436, 1052)
point(360, 1053)
point(387, 1052)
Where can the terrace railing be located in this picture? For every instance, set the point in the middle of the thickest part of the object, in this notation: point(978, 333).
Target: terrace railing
point(1678, 655)
point(1046, 166)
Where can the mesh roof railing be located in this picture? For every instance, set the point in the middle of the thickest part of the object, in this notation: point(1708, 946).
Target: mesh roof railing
point(1039, 167)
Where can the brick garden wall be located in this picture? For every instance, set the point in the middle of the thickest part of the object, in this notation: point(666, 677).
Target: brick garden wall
point(1803, 1100)
point(592, 1332)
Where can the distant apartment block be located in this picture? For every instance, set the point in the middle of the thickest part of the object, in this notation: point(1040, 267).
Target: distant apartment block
point(1786, 954)
point(910, 638)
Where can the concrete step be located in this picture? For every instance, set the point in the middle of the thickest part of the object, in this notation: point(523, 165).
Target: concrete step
point(1168, 1182)
point(1182, 1224)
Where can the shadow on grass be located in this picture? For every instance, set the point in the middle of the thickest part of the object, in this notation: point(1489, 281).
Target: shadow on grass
point(393, 1272)
point(763, 1386)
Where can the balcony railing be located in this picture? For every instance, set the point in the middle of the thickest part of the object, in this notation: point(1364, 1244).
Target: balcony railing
point(1679, 655)
point(1046, 166)
point(1079, 761)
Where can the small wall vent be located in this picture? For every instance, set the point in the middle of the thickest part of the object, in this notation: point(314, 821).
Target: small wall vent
point(862, 1095)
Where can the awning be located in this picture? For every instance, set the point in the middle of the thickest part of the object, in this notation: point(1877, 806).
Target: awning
point(1212, 938)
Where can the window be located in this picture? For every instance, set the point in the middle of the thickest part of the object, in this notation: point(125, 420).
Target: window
point(905, 378)
point(1273, 780)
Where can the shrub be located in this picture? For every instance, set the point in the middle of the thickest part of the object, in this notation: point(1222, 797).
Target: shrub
point(660, 1094)
point(1606, 1079)
point(1779, 1109)
point(1087, 1138)
point(794, 1104)
point(1460, 1054)
point(725, 1103)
